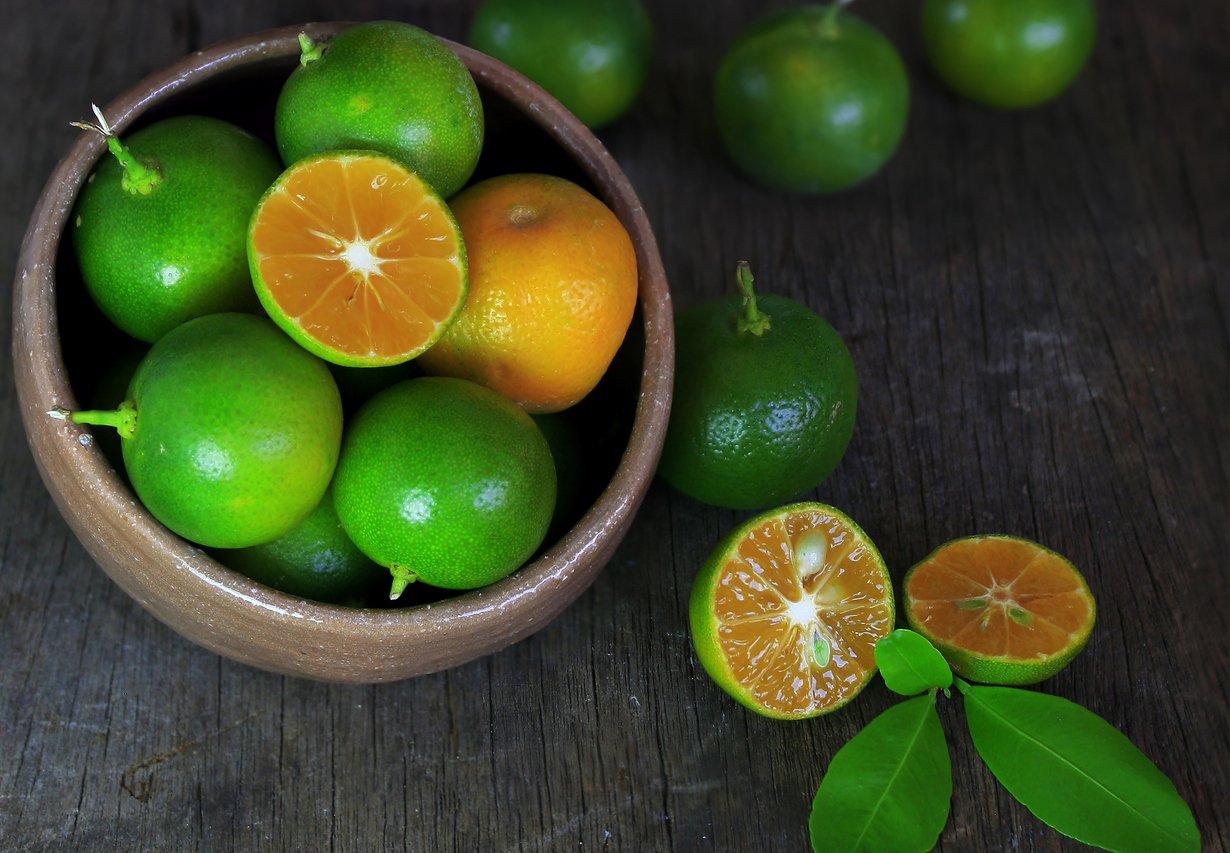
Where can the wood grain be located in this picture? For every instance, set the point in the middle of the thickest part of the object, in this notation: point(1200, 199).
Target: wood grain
point(1037, 305)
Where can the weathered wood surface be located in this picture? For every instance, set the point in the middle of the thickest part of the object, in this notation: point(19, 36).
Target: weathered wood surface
point(1037, 305)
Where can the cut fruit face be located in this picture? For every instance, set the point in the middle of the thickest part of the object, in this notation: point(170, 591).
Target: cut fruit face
point(1002, 610)
point(787, 611)
point(357, 259)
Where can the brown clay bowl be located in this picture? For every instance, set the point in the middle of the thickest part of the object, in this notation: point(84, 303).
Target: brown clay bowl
point(196, 595)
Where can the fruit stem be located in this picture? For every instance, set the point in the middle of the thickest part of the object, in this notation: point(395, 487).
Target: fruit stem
point(123, 418)
point(753, 321)
point(139, 178)
point(828, 23)
point(310, 51)
point(402, 578)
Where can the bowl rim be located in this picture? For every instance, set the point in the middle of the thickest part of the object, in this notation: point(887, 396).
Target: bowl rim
point(365, 645)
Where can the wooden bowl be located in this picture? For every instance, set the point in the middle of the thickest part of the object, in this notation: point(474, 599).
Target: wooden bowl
point(223, 610)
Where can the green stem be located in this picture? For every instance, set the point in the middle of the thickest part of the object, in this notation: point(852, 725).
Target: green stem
point(123, 418)
point(402, 578)
point(752, 321)
point(310, 51)
point(828, 23)
point(139, 178)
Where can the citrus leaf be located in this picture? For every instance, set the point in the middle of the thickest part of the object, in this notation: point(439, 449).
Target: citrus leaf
point(1076, 772)
point(910, 664)
point(887, 790)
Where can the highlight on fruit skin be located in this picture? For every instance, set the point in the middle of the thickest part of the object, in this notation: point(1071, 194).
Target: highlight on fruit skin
point(787, 610)
point(1001, 609)
point(357, 259)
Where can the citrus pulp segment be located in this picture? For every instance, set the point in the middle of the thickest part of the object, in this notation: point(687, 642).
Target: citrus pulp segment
point(357, 259)
point(1001, 609)
point(787, 610)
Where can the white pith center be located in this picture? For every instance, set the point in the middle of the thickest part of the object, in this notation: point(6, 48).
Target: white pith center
point(358, 255)
point(801, 612)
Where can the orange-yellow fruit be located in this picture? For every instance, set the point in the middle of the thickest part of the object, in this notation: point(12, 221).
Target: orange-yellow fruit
point(552, 290)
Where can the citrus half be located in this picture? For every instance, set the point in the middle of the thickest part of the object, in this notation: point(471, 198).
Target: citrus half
point(787, 610)
point(357, 259)
point(1001, 609)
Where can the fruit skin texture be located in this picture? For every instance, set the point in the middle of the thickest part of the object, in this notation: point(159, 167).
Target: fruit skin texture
point(153, 261)
point(705, 628)
point(757, 420)
point(593, 55)
point(315, 560)
point(388, 87)
point(1008, 55)
point(237, 434)
point(992, 670)
point(553, 285)
point(447, 479)
point(811, 102)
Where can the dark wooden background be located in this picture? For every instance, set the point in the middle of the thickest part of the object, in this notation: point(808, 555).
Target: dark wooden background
point(1037, 305)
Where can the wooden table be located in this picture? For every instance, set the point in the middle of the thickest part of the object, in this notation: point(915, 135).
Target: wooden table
point(1037, 305)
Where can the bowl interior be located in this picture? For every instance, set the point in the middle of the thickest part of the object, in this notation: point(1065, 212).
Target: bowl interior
point(621, 424)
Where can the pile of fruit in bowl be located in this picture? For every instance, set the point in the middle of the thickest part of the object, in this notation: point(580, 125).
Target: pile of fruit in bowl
point(364, 335)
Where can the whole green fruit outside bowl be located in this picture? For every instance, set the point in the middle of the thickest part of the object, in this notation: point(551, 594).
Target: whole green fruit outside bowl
point(811, 99)
point(765, 398)
point(194, 593)
point(591, 54)
point(1008, 54)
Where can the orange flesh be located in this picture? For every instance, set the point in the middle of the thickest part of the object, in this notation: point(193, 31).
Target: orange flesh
point(360, 256)
point(1000, 598)
point(800, 605)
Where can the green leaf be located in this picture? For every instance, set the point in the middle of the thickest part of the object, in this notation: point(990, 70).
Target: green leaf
point(1076, 772)
point(910, 664)
point(887, 790)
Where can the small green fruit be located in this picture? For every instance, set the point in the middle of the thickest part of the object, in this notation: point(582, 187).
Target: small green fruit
point(444, 481)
